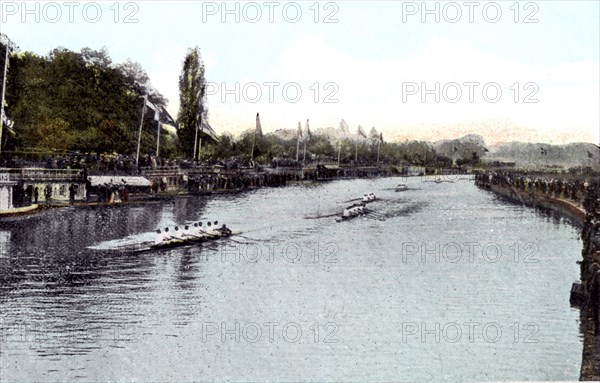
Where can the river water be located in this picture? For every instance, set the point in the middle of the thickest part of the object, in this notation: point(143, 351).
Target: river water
point(442, 282)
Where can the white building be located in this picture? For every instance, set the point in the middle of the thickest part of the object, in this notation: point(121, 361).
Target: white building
point(6, 189)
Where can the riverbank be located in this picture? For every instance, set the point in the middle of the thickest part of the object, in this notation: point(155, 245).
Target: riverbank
point(589, 297)
point(532, 199)
point(79, 188)
point(134, 199)
point(584, 209)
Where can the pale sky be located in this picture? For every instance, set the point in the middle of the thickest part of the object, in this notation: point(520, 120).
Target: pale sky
point(375, 58)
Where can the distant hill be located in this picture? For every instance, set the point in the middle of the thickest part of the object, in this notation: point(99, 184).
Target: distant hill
point(540, 154)
point(467, 147)
point(473, 147)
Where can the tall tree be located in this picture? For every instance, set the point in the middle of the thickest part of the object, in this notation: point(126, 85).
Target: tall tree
point(78, 101)
point(192, 102)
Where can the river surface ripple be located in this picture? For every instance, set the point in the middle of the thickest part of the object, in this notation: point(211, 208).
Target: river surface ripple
point(443, 282)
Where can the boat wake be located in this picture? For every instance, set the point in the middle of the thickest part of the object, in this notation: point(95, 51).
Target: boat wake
point(126, 243)
point(405, 211)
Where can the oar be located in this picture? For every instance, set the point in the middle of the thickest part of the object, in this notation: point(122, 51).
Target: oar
point(323, 216)
point(375, 213)
point(240, 242)
point(259, 228)
point(241, 236)
point(208, 234)
point(376, 216)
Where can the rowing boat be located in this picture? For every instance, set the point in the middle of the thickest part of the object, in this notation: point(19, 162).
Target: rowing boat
point(368, 197)
point(187, 241)
point(348, 217)
point(401, 187)
point(173, 242)
point(352, 212)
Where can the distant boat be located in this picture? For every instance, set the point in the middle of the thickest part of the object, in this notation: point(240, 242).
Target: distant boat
point(401, 187)
point(369, 197)
point(438, 180)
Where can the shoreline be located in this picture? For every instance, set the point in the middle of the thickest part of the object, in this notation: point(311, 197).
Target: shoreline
point(34, 210)
point(580, 295)
point(535, 200)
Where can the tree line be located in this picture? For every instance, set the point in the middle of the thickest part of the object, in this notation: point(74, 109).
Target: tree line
point(271, 148)
point(81, 101)
point(67, 101)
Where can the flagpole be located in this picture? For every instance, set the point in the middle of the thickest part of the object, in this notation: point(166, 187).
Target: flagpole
point(356, 152)
point(306, 139)
point(137, 154)
point(195, 143)
point(200, 138)
point(157, 112)
point(339, 152)
point(3, 94)
point(378, 146)
point(297, 148)
point(304, 157)
point(298, 135)
point(158, 139)
point(253, 143)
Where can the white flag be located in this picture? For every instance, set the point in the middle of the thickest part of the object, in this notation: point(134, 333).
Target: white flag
point(361, 132)
point(153, 107)
point(307, 134)
point(6, 120)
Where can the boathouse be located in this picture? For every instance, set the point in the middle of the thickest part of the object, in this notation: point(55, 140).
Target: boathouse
point(6, 192)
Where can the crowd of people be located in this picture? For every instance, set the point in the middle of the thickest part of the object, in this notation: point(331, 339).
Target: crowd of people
point(206, 183)
point(121, 163)
point(586, 194)
point(570, 189)
point(590, 266)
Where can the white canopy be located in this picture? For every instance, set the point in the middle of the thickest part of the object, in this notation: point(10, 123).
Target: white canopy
point(119, 180)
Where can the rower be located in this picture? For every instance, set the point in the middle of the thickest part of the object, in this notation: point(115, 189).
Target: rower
point(159, 237)
point(177, 233)
point(359, 208)
point(352, 211)
point(201, 231)
point(212, 228)
point(225, 230)
point(166, 235)
point(346, 213)
point(186, 231)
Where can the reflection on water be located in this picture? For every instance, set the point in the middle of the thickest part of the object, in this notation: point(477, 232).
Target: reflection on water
point(4, 242)
point(413, 291)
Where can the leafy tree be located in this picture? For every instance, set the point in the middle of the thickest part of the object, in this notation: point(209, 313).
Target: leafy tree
point(192, 102)
point(225, 146)
point(78, 101)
